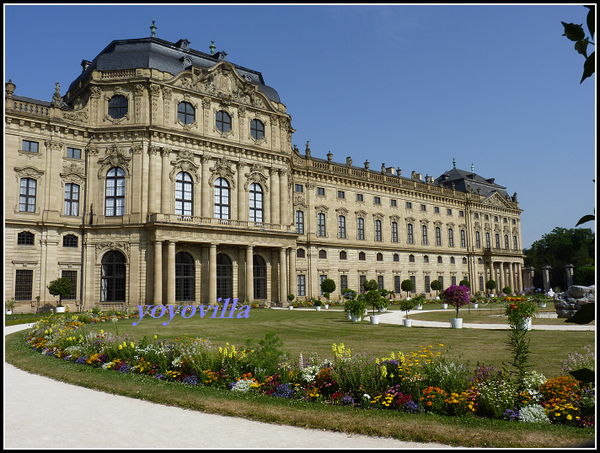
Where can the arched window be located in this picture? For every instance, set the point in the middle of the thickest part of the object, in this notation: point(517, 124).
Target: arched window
point(185, 277)
point(409, 232)
point(378, 230)
point(343, 255)
point(394, 231)
point(497, 241)
point(112, 281)
point(341, 227)
point(362, 256)
point(223, 121)
point(322, 254)
point(488, 244)
point(256, 203)
point(257, 129)
point(426, 259)
point(184, 194)
point(424, 228)
point(260, 277)
point(300, 222)
point(186, 113)
point(71, 206)
point(463, 238)
point(25, 238)
point(439, 260)
point(464, 260)
point(117, 106)
point(27, 195)
point(477, 239)
point(515, 243)
point(360, 228)
point(380, 257)
point(320, 224)
point(506, 243)
point(224, 277)
point(221, 199)
point(115, 192)
point(70, 240)
point(396, 257)
point(438, 236)
point(300, 253)
point(450, 237)
point(411, 258)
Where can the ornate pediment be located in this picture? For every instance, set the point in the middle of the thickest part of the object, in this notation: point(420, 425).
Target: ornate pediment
point(222, 169)
point(115, 157)
point(185, 163)
point(223, 81)
point(498, 201)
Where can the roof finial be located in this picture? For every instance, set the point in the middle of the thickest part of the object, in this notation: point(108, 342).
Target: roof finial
point(453, 162)
point(153, 30)
point(212, 47)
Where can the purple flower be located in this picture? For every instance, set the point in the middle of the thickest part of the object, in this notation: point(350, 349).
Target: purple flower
point(81, 360)
point(191, 380)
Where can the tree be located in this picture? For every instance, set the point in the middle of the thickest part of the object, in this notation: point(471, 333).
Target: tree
point(436, 285)
point(60, 287)
point(407, 285)
point(465, 282)
point(327, 286)
point(490, 285)
point(575, 32)
point(507, 290)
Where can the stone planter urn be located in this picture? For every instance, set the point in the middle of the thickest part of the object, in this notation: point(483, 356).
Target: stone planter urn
point(419, 307)
point(444, 306)
point(525, 325)
point(407, 322)
point(291, 307)
point(60, 309)
point(374, 319)
point(318, 308)
point(349, 316)
point(475, 306)
point(355, 318)
point(326, 306)
point(456, 323)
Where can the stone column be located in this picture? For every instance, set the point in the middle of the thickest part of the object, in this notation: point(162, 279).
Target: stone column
point(546, 277)
point(206, 192)
point(152, 177)
point(249, 273)
point(293, 279)
point(158, 272)
point(242, 213)
point(274, 196)
point(171, 273)
point(165, 187)
point(212, 274)
point(283, 199)
point(282, 276)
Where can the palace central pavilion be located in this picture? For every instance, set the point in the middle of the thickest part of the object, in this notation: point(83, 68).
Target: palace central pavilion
point(168, 175)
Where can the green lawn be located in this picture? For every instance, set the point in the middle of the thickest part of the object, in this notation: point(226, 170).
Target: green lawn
point(306, 331)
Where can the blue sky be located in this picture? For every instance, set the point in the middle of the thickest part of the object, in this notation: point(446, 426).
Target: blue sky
point(411, 86)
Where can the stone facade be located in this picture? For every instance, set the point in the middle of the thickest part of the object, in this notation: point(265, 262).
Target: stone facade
point(166, 183)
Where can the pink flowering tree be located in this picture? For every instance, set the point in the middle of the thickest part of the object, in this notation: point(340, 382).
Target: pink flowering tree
point(457, 296)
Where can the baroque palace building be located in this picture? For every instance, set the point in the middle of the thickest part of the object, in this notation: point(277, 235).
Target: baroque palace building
point(168, 175)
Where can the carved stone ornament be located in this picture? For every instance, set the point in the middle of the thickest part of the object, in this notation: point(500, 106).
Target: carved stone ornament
point(186, 164)
point(115, 157)
point(28, 172)
point(54, 145)
point(321, 209)
point(222, 169)
point(73, 172)
point(103, 247)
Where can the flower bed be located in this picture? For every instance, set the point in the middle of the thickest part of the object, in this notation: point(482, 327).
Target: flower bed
point(411, 382)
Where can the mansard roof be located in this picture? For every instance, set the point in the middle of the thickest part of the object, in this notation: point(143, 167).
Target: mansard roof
point(155, 53)
point(469, 181)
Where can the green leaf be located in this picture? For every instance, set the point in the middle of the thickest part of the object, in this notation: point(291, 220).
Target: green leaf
point(581, 47)
point(586, 218)
point(584, 375)
point(585, 315)
point(591, 20)
point(573, 32)
point(589, 66)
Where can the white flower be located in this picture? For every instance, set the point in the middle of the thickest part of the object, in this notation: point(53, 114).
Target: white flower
point(534, 413)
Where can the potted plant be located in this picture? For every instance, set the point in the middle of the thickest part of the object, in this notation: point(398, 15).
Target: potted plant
point(317, 304)
point(373, 298)
point(520, 312)
point(407, 305)
point(349, 295)
point(290, 299)
point(436, 285)
point(356, 308)
point(490, 285)
point(9, 304)
point(327, 286)
point(457, 296)
point(419, 301)
point(507, 290)
point(60, 287)
point(407, 285)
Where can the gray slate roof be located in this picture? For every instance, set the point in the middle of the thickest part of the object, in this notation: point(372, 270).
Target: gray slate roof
point(155, 53)
point(462, 178)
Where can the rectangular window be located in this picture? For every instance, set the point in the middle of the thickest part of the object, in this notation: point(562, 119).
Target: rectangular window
point(394, 232)
point(343, 282)
point(453, 280)
point(322, 278)
point(71, 206)
point(342, 227)
point(321, 224)
point(300, 222)
point(408, 205)
point(397, 284)
point(449, 212)
point(23, 284)
point(301, 285)
point(74, 153)
point(377, 200)
point(393, 203)
point(32, 147)
point(359, 197)
point(481, 283)
point(299, 187)
point(436, 210)
point(423, 207)
point(320, 191)
point(72, 276)
point(461, 213)
point(378, 235)
point(441, 280)
point(380, 282)
point(361, 281)
point(361, 228)
point(413, 279)
point(27, 195)
point(427, 284)
point(341, 194)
